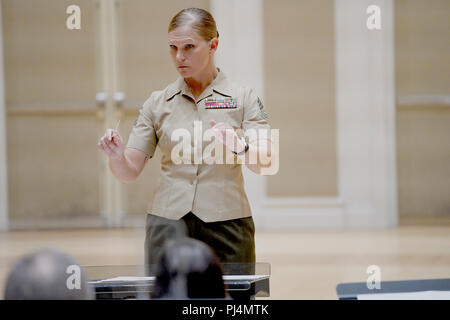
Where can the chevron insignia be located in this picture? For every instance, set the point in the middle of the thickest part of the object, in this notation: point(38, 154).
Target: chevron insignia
point(261, 110)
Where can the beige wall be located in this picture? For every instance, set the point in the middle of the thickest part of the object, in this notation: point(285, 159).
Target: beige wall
point(51, 77)
point(424, 161)
point(52, 163)
point(422, 33)
point(299, 95)
point(45, 63)
point(422, 30)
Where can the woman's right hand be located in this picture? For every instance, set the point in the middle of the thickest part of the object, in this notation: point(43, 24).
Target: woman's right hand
point(111, 144)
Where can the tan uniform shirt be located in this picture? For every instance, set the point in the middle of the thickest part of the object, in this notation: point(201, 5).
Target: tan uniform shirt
point(213, 192)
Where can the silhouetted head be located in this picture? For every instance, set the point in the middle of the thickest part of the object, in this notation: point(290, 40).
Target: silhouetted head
point(47, 274)
point(189, 268)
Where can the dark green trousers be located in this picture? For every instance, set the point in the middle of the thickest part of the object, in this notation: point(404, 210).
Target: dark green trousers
point(232, 240)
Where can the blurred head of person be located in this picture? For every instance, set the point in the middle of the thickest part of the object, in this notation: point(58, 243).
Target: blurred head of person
point(47, 274)
point(193, 40)
point(188, 269)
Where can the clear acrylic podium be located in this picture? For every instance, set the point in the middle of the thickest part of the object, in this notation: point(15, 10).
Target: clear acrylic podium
point(243, 281)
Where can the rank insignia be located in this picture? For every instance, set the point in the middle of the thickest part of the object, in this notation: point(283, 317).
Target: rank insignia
point(261, 110)
point(220, 103)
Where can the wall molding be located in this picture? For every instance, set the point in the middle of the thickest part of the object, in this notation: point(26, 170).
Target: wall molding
point(302, 202)
point(424, 100)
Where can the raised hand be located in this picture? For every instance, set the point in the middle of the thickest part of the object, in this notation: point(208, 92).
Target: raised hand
point(112, 144)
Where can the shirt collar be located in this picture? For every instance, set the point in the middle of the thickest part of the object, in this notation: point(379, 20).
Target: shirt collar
point(220, 85)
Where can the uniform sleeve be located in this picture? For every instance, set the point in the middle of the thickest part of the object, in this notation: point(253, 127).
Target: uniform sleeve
point(255, 124)
point(143, 136)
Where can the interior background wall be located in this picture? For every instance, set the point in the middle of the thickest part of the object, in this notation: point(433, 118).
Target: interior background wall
point(299, 96)
point(422, 51)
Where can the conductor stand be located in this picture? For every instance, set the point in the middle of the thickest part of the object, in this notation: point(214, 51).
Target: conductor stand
point(243, 281)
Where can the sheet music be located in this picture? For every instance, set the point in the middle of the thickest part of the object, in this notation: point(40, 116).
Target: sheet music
point(152, 278)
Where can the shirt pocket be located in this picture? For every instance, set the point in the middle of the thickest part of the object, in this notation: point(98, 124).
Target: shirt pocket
point(234, 117)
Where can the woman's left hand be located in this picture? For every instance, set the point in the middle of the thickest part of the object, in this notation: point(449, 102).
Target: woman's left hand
point(226, 134)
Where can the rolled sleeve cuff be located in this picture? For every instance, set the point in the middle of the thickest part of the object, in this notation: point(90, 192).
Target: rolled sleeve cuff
point(144, 145)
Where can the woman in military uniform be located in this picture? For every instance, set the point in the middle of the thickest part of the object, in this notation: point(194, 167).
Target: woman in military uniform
point(203, 200)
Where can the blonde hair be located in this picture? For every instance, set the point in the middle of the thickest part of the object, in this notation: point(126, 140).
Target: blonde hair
point(198, 19)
